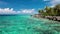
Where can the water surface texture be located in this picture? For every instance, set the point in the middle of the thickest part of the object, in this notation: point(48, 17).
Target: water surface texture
point(27, 25)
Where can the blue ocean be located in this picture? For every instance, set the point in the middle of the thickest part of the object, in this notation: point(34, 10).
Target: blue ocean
point(28, 25)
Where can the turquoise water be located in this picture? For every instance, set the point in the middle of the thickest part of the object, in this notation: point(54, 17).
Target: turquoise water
point(27, 25)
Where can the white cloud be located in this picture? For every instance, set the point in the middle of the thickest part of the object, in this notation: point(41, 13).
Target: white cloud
point(54, 2)
point(11, 11)
point(7, 11)
point(27, 10)
point(45, 0)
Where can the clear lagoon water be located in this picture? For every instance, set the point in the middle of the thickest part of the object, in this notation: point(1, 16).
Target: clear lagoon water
point(28, 25)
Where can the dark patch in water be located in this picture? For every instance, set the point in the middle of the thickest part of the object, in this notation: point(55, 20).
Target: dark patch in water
point(8, 14)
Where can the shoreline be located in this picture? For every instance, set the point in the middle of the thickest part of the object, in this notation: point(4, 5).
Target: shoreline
point(48, 18)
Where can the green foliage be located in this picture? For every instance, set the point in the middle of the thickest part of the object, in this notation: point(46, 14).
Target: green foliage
point(48, 11)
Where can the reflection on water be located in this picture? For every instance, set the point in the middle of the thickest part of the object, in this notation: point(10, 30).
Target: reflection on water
point(27, 25)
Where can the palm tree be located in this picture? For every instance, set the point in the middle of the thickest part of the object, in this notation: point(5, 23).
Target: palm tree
point(48, 10)
point(57, 9)
point(41, 11)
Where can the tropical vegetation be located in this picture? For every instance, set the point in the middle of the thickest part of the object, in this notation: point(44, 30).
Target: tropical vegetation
point(50, 11)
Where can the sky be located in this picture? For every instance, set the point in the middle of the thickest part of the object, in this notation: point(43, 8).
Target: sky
point(25, 6)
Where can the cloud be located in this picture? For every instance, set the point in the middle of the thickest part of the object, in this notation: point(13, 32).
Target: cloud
point(45, 0)
point(54, 2)
point(7, 11)
point(11, 11)
point(27, 10)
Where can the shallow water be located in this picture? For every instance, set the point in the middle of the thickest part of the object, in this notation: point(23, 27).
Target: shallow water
point(27, 25)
